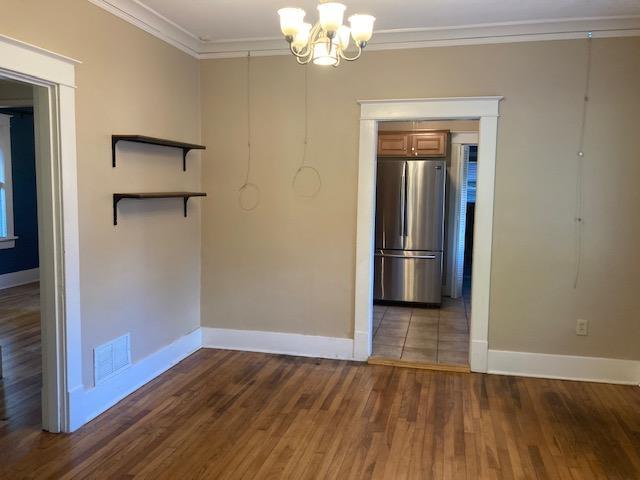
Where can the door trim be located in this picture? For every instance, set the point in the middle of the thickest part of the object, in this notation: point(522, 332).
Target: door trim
point(486, 109)
point(457, 182)
point(59, 255)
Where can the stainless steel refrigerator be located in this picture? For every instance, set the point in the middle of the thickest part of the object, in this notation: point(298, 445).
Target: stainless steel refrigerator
point(409, 230)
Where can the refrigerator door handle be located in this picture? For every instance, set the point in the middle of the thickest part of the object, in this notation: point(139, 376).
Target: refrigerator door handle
point(405, 180)
point(413, 257)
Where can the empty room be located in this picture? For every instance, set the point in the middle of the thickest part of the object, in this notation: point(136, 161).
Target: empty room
point(304, 239)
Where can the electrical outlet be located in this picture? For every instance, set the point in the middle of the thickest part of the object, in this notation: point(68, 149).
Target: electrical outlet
point(582, 327)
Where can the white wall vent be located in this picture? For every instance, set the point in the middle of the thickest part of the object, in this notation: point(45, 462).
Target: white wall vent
point(111, 358)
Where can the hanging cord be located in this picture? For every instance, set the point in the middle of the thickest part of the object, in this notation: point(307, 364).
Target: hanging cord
point(303, 165)
point(248, 189)
point(578, 218)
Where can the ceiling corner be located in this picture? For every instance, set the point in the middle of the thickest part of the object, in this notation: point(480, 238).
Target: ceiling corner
point(152, 22)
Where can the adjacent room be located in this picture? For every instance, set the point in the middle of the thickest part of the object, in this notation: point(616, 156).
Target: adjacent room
point(319, 240)
point(422, 307)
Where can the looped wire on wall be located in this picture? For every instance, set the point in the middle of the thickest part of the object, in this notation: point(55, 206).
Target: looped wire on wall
point(248, 193)
point(579, 207)
point(303, 170)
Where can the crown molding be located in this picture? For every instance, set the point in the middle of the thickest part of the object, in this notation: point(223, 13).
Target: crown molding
point(152, 22)
point(136, 13)
point(450, 36)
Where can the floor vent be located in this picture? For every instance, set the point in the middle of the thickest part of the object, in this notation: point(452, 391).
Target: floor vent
point(111, 358)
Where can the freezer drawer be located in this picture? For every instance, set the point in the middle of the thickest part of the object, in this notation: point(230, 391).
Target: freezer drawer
point(403, 276)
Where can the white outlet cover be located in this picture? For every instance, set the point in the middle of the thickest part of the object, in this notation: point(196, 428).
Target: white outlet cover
point(582, 327)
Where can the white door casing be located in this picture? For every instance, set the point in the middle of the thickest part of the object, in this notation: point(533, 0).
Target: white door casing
point(53, 76)
point(456, 216)
point(486, 109)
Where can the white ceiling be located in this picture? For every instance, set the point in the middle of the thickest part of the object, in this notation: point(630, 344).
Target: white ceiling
point(257, 19)
point(218, 28)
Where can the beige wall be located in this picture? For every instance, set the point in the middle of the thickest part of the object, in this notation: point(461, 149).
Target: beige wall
point(289, 265)
point(142, 276)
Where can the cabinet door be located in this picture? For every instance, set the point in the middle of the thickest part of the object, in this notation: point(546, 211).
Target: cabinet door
point(393, 145)
point(429, 144)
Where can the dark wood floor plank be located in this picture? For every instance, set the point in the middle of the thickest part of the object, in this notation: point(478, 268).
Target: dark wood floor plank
point(233, 415)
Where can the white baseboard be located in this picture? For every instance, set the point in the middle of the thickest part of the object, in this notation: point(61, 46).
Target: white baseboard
point(85, 405)
point(565, 367)
point(276, 342)
point(22, 277)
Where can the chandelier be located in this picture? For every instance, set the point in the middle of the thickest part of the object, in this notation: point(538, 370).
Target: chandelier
point(326, 42)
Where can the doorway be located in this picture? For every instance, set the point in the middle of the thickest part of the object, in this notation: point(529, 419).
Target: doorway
point(421, 186)
point(372, 112)
point(52, 79)
point(20, 332)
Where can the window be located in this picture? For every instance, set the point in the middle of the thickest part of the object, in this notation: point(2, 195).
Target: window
point(7, 239)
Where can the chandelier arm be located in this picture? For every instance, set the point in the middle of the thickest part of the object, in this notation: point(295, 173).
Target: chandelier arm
point(307, 50)
point(351, 59)
point(302, 61)
point(302, 53)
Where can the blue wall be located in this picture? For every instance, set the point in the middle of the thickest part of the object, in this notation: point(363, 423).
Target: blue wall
point(24, 256)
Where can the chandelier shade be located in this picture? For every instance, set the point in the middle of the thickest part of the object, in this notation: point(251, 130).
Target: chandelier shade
point(326, 42)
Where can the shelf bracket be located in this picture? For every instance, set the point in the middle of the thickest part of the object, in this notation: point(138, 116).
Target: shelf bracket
point(185, 200)
point(184, 159)
point(114, 142)
point(115, 209)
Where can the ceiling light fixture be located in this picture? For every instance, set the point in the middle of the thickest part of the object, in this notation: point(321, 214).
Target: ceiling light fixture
point(326, 42)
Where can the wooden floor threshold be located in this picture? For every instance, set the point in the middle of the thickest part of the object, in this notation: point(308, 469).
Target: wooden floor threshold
point(441, 367)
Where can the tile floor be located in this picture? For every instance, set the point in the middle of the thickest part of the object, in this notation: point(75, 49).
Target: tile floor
point(423, 335)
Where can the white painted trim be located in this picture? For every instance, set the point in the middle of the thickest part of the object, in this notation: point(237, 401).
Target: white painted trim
point(486, 109)
point(22, 277)
point(455, 215)
point(54, 108)
point(29, 62)
point(277, 342)
point(147, 19)
point(480, 34)
point(88, 404)
point(8, 242)
point(365, 229)
point(144, 17)
point(5, 148)
point(564, 367)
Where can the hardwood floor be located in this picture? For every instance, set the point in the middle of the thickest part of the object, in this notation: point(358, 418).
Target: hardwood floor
point(21, 360)
point(231, 415)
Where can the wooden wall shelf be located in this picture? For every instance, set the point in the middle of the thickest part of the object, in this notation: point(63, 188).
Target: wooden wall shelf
point(185, 147)
point(148, 195)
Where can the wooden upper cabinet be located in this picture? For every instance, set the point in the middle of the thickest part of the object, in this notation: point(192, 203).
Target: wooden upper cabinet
point(429, 144)
point(393, 144)
point(413, 144)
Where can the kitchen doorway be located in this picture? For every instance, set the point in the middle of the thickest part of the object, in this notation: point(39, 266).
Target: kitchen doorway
point(372, 112)
point(421, 199)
